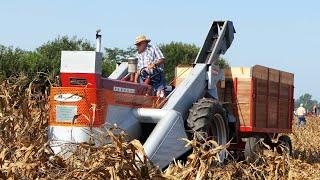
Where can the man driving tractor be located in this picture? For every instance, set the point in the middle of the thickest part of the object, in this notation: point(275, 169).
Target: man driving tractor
point(150, 65)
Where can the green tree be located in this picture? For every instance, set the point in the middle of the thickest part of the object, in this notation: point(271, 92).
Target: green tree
point(177, 53)
point(114, 55)
point(50, 52)
point(222, 63)
point(44, 59)
point(10, 61)
point(306, 100)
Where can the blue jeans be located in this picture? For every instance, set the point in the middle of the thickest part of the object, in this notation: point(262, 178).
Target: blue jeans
point(301, 121)
point(161, 84)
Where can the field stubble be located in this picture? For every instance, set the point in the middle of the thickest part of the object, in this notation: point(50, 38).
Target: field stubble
point(25, 152)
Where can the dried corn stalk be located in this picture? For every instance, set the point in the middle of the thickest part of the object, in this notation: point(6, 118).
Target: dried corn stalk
point(25, 154)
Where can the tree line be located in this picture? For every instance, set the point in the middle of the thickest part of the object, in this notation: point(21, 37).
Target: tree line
point(307, 101)
point(46, 60)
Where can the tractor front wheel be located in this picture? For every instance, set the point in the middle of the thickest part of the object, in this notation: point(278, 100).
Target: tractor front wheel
point(207, 122)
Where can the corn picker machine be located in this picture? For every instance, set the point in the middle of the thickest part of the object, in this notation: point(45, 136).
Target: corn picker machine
point(236, 105)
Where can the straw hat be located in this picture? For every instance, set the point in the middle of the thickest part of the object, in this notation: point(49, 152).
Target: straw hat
point(141, 38)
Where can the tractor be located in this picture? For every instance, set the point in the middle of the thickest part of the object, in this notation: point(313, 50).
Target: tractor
point(236, 105)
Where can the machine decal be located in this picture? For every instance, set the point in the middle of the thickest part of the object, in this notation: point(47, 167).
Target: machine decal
point(67, 98)
point(78, 81)
point(65, 113)
point(124, 90)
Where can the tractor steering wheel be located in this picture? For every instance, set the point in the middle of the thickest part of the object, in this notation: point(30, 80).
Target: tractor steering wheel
point(154, 75)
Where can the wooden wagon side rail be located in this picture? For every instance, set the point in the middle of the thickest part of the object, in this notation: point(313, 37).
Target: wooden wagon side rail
point(262, 98)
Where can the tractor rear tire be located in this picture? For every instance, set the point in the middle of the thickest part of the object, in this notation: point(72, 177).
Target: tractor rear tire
point(253, 149)
point(207, 121)
point(284, 145)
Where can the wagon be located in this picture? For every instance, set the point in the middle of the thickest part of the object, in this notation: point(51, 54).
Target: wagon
point(261, 100)
point(258, 102)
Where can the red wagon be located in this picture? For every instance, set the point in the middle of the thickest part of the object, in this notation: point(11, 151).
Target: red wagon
point(260, 99)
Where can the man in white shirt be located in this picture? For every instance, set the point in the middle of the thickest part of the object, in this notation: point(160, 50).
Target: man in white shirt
point(301, 112)
point(151, 58)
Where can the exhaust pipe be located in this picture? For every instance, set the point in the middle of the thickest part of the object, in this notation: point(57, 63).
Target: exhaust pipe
point(98, 40)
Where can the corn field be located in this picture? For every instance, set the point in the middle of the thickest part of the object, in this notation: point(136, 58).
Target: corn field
point(25, 151)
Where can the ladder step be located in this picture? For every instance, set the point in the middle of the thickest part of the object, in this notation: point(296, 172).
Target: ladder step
point(215, 37)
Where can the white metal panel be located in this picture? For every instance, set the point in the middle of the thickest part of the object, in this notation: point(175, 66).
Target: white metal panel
point(121, 116)
point(214, 75)
point(189, 91)
point(120, 72)
point(63, 137)
point(81, 62)
point(164, 143)
point(172, 145)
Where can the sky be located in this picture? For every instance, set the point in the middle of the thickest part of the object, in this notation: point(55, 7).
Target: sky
point(278, 34)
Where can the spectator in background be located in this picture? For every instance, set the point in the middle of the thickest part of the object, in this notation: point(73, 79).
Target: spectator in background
point(301, 112)
point(315, 110)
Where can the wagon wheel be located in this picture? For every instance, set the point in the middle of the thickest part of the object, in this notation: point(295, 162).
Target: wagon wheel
point(253, 149)
point(284, 145)
point(207, 121)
